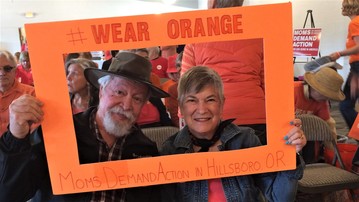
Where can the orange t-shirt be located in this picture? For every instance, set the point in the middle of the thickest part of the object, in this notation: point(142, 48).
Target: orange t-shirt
point(353, 30)
point(240, 65)
point(167, 84)
point(155, 80)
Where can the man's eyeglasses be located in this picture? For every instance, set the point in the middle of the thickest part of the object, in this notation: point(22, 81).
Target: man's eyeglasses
point(7, 68)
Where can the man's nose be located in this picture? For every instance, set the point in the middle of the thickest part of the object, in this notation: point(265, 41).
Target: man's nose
point(127, 102)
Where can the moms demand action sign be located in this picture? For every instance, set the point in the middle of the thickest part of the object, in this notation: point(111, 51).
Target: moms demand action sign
point(306, 42)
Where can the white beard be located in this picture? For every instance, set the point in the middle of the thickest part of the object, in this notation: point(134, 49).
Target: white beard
point(118, 129)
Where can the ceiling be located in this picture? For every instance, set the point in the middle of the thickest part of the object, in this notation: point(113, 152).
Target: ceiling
point(12, 11)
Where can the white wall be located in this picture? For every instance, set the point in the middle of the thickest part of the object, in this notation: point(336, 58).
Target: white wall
point(11, 13)
point(327, 16)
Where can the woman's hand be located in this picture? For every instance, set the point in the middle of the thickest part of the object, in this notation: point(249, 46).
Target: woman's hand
point(296, 136)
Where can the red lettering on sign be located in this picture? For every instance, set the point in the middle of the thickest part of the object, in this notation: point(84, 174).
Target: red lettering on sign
point(131, 32)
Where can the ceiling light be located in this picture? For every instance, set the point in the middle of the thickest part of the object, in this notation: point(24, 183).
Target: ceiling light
point(29, 14)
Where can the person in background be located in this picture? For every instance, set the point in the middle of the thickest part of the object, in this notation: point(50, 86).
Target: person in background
point(240, 65)
point(70, 56)
point(154, 112)
point(86, 55)
point(142, 52)
point(350, 8)
point(155, 79)
point(17, 57)
point(153, 52)
point(167, 51)
point(172, 73)
point(312, 96)
point(106, 64)
point(201, 100)
point(107, 55)
point(107, 132)
point(82, 94)
point(171, 102)
point(23, 70)
point(10, 87)
point(159, 63)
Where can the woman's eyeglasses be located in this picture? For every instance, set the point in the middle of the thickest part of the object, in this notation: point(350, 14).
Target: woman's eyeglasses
point(7, 68)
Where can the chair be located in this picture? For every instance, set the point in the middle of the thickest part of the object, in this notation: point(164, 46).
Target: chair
point(324, 177)
point(160, 134)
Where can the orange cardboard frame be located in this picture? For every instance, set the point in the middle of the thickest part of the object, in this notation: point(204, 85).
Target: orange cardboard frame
point(354, 130)
point(48, 41)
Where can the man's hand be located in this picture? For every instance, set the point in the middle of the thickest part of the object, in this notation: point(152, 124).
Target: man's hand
point(24, 111)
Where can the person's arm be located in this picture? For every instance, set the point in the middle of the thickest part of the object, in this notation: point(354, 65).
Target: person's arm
point(188, 58)
point(282, 186)
point(22, 158)
point(347, 52)
point(23, 166)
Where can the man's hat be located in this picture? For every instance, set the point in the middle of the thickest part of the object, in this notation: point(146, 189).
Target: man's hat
point(317, 64)
point(130, 66)
point(327, 82)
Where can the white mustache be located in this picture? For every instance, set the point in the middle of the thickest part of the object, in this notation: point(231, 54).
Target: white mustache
point(119, 110)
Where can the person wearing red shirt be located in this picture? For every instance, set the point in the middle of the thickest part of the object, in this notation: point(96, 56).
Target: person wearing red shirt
point(168, 51)
point(159, 63)
point(23, 71)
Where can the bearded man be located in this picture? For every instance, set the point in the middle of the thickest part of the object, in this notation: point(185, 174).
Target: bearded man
point(104, 133)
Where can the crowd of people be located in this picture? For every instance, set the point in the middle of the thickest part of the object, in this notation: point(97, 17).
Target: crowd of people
point(217, 103)
point(106, 130)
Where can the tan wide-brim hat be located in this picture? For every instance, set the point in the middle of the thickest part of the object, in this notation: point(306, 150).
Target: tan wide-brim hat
point(327, 82)
point(130, 66)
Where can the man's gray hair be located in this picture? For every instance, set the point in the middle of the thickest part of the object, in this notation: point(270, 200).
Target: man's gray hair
point(10, 57)
point(103, 81)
